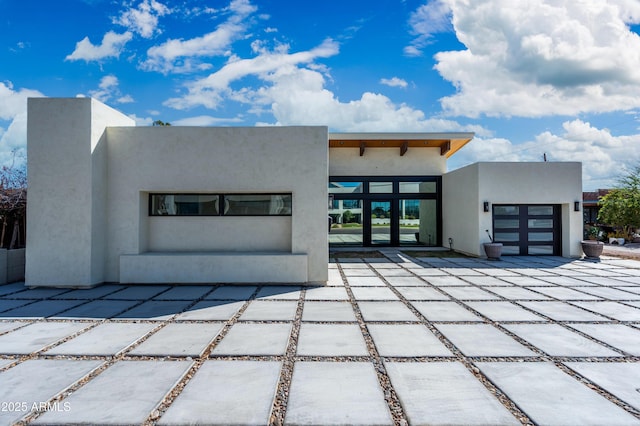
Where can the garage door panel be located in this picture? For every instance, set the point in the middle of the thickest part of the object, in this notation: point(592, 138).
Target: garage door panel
point(527, 229)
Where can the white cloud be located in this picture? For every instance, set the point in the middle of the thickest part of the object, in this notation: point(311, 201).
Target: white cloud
point(143, 20)
point(13, 108)
point(109, 89)
point(177, 55)
point(540, 58)
point(141, 121)
point(429, 19)
point(111, 47)
point(209, 91)
point(604, 156)
point(394, 82)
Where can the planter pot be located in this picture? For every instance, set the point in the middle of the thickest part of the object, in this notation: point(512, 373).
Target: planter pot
point(592, 249)
point(493, 250)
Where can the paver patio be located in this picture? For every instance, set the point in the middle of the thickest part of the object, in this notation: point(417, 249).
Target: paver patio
point(393, 340)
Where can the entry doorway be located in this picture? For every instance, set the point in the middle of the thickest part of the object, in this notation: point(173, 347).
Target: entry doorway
point(385, 211)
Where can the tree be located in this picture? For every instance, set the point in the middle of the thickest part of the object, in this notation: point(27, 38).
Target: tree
point(621, 206)
point(161, 123)
point(13, 202)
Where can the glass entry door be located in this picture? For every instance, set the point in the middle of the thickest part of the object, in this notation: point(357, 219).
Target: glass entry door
point(381, 222)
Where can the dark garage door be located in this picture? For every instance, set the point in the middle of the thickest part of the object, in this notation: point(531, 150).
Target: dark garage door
point(528, 229)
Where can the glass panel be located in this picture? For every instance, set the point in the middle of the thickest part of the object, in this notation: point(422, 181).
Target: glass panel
point(548, 250)
point(507, 236)
point(540, 236)
point(540, 210)
point(418, 187)
point(506, 223)
point(346, 223)
point(418, 222)
point(184, 205)
point(540, 223)
point(380, 222)
point(257, 205)
point(380, 187)
point(506, 210)
point(345, 187)
point(510, 250)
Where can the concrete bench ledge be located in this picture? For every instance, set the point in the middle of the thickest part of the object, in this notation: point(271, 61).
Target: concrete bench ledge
point(213, 267)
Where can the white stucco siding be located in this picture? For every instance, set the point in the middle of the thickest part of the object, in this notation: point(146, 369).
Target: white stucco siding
point(536, 183)
point(66, 166)
point(466, 189)
point(386, 162)
point(219, 234)
point(218, 160)
point(460, 210)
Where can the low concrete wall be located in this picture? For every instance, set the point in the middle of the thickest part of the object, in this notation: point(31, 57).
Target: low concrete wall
point(241, 267)
point(11, 265)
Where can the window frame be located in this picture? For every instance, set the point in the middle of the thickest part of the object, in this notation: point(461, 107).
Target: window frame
point(221, 202)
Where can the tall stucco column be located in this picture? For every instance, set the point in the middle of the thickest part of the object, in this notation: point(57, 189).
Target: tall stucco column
point(66, 201)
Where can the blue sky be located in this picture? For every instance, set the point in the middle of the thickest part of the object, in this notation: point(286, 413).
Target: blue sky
point(554, 77)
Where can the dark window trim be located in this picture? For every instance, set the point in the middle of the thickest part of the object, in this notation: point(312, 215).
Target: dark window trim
point(221, 200)
point(393, 197)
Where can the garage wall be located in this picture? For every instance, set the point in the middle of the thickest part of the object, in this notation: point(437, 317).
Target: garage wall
point(511, 183)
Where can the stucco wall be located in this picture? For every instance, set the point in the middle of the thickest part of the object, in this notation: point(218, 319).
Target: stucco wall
point(511, 183)
point(91, 171)
point(217, 160)
point(460, 209)
point(67, 169)
point(386, 162)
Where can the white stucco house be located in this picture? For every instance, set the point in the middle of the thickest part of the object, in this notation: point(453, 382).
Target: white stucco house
point(112, 202)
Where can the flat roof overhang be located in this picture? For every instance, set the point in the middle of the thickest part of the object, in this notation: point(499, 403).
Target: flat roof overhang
point(449, 143)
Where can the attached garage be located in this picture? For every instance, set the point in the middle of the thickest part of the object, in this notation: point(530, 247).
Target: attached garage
point(528, 229)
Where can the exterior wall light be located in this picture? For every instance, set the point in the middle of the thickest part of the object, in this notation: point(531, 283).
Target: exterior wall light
point(485, 206)
point(576, 206)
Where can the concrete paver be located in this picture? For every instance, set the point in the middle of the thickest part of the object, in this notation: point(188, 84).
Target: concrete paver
point(232, 292)
point(445, 311)
point(240, 391)
point(37, 336)
point(406, 340)
point(445, 393)
point(560, 311)
point(37, 381)
point(262, 310)
point(211, 310)
point(336, 393)
point(619, 379)
point(99, 309)
point(504, 311)
point(254, 339)
point(140, 385)
point(483, 340)
point(386, 311)
point(181, 339)
point(551, 397)
point(619, 336)
point(331, 340)
point(104, 339)
point(155, 310)
point(557, 339)
point(328, 311)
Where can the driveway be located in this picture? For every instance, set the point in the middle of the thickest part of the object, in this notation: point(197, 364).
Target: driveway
point(393, 340)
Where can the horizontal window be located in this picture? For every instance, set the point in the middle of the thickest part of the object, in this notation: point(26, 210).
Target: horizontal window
point(220, 204)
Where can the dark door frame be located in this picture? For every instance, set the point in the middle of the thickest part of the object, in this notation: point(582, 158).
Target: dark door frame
point(394, 197)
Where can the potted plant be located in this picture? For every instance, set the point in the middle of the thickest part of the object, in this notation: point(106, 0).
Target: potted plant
point(592, 248)
point(493, 250)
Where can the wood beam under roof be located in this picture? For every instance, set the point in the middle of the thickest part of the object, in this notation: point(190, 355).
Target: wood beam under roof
point(403, 148)
point(448, 143)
